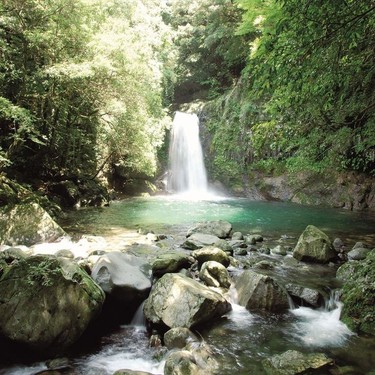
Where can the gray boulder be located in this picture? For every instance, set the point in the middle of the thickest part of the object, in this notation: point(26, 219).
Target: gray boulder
point(28, 224)
point(199, 240)
point(170, 262)
point(293, 362)
point(215, 274)
point(211, 253)
point(125, 277)
point(260, 292)
point(178, 301)
point(47, 303)
point(358, 253)
point(310, 296)
point(220, 228)
point(314, 246)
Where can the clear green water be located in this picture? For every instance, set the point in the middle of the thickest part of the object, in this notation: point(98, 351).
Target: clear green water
point(272, 219)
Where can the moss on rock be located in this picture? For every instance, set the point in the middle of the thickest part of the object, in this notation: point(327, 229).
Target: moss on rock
point(358, 294)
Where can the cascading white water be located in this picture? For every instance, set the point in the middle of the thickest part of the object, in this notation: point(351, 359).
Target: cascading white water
point(187, 174)
point(321, 327)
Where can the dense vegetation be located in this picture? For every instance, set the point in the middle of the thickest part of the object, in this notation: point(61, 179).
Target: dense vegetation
point(306, 98)
point(85, 85)
point(80, 86)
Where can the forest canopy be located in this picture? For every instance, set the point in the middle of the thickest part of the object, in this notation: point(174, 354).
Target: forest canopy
point(91, 83)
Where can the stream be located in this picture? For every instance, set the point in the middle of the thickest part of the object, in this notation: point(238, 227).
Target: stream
point(241, 339)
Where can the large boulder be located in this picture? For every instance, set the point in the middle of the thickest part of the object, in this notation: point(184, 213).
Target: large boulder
point(46, 303)
point(209, 253)
point(124, 277)
point(358, 294)
point(28, 224)
point(260, 292)
point(293, 362)
point(314, 246)
point(178, 301)
point(199, 240)
point(220, 228)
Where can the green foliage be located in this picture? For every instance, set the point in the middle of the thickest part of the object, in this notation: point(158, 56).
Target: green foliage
point(209, 53)
point(309, 76)
point(81, 85)
point(43, 273)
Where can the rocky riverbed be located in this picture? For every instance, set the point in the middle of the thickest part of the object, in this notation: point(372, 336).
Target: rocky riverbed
point(52, 296)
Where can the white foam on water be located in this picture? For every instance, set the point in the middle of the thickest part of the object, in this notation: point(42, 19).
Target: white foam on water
point(320, 328)
point(109, 363)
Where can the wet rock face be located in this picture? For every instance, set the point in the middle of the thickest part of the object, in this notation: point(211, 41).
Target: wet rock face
point(314, 246)
point(260, 292)
point(47, 303)
point(178, 301)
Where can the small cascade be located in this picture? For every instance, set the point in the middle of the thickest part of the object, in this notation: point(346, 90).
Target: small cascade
point(139, 319)
point(321, 327)
point(187, 173)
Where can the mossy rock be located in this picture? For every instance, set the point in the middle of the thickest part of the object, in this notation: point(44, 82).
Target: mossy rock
point(28, 224)
point(46, 303)
point(358, 294)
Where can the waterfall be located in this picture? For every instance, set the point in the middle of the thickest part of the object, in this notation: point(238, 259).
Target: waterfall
point(187, 171)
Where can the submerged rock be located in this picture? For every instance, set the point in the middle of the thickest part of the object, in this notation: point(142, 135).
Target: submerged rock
point(178, 301)
point(46, 303)
point(220, 228)
point(28, 224)
point(256, 291)
point(314, 246)
point(293, 362)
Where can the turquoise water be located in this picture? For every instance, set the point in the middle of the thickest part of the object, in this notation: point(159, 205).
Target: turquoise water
point(271, 219)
